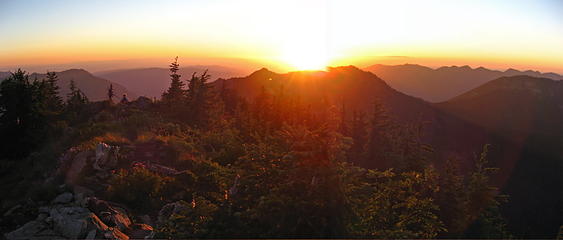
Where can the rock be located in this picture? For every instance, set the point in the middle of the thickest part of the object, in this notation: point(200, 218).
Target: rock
point(140, 231)
point(64, 221)
point(91, 234)
point(71, 222)
point(11, 210)
point(47, 234)
point(96, 223)
point(116, 219)
point(27, 231)
point(77, 164)
point(41, 217)
point(77, 222)
point(63, 198)
point(111, 215)
point(105, 157)
point(146, 219)
point(44, 209)
point(114, 233)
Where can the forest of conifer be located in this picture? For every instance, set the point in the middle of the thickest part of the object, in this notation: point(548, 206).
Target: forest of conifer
point(267, 167)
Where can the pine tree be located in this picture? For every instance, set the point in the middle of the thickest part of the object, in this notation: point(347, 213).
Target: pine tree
point(451, 199)
point(203, 103)
point(359, 136)
point(24, 113)
point(174, 98)
point(76, 100)
point(53, 102)
point(111, 94)
point(378, 139)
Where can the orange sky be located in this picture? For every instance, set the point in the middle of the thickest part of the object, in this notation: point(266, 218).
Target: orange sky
point(283, 35)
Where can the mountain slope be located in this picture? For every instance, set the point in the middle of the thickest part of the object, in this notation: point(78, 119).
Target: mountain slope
point(355, 89)
point(444, 83)
point(95, 88)
point(152, 82)
point(518, 105)
point(527, 111)
point(4, 75)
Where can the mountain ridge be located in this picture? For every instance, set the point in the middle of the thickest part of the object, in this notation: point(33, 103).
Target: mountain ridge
point(95, 88)
point(153, 81)
point(443, 83)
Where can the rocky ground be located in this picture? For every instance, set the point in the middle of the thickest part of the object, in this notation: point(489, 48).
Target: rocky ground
point(79, 213)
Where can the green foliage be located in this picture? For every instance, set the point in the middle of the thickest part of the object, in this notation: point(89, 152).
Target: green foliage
point(192, 222)
point(271, 168)
point(174, 98)
point(139, 188)
point(390, 205)
point(111, 94)
point(76, 103)
point(28, 113)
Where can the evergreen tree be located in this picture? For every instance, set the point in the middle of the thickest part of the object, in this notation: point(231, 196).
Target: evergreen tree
point(16, 114)
point(174, 98)
point(359, 134)
point(378, 143)
point(26, 109)
point(452, 200)
point(75, 102)
point(111, 94)
point(53, 101)
point(205, 107)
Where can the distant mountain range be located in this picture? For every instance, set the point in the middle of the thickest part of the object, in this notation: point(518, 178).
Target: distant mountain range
point(444, 83)
point(95, 88)
point(152, 82)
point(518, 105)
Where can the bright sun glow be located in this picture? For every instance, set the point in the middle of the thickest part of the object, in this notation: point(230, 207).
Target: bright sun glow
point(302, 57)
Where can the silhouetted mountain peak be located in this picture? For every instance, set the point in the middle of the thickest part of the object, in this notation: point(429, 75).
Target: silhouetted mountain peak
point(512, 71)
point(454, 68)
point(444, 83)
point(481, 69)
point(76, 70)
point(262, 73)
point(349, 68)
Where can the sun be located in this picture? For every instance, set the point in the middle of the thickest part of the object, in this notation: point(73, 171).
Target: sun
point(305, 56)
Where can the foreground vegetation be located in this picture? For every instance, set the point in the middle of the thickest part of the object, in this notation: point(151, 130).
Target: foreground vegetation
point(263, 167)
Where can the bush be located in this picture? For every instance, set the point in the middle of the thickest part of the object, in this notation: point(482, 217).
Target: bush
point(193, 221)
point(138, 187)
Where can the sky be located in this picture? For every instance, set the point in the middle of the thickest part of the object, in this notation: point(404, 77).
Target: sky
point(282, 35)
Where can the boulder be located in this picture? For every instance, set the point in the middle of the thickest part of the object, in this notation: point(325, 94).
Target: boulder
point(113, 216)
point(11, 210)
point(47, 234)
point(140, 231)
point(27, 231)
point(67, 219)
point(114, 233)
point(63, 198)
point(146, 219)
point(105, 157)
point(71, 222)
point(91, 235)
point(75, 164)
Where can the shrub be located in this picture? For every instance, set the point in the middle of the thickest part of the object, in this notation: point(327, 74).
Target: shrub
point(138, 187)
point(193, 221)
